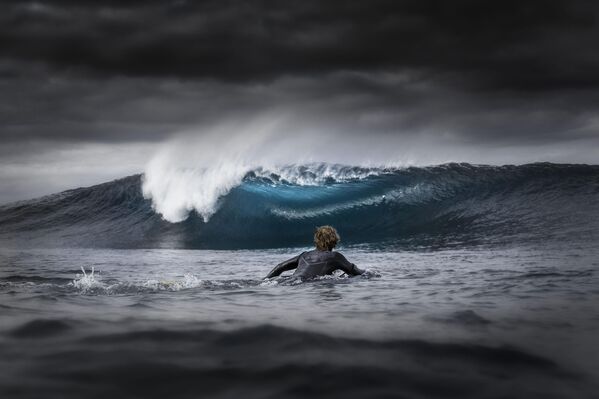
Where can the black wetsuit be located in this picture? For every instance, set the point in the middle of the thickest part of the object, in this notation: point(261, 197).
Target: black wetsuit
point(316, 263)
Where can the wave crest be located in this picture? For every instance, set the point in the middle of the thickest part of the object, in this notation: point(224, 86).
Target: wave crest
point(176, 192)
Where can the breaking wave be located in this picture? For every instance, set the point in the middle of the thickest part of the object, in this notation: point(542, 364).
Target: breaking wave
point(279, 207)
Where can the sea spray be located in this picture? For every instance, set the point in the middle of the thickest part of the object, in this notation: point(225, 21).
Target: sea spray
point(192, 172)
point(87, 283)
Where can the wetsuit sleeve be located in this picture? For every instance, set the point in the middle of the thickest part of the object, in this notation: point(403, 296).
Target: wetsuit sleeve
point(346, 266)
point(289, 264)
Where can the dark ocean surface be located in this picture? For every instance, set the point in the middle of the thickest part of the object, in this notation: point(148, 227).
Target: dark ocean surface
point(482, 282)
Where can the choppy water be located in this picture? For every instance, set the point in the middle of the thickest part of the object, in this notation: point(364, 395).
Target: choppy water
point(479, 321)
point(482, 282)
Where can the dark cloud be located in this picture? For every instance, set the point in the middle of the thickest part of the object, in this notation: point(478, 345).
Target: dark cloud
point(514, 45)
point(124, 109)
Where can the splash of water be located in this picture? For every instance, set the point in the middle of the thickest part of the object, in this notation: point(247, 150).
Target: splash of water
point(87, 282)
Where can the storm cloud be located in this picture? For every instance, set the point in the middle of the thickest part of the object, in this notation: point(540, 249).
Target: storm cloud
point(498, 82)
point(530, 45)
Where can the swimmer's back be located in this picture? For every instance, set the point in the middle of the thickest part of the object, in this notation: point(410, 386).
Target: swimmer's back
point(320, 263)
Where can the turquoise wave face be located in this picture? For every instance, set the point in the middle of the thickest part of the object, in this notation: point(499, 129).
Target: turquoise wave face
point(453, 204)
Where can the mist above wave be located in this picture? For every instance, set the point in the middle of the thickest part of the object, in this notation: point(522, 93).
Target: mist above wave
point(194, 170)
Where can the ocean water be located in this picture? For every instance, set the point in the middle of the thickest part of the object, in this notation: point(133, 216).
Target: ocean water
point(481, 282)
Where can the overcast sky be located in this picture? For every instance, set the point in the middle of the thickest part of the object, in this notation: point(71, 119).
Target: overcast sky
point(89, 91)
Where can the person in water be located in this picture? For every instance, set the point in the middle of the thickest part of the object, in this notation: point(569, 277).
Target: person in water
point(320, 261)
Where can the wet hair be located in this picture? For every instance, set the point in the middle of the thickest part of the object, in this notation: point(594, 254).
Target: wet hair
point(326, 237)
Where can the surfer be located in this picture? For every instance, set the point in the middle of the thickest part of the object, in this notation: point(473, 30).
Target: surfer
point(320, 261)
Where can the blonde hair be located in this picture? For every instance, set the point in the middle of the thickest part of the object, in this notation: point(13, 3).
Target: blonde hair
point(326, 237)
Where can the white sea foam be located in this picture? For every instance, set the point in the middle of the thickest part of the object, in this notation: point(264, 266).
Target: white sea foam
point(90, 283)
point(314, 174)
point(189, 281)
point(269, 282)
point(176, 191)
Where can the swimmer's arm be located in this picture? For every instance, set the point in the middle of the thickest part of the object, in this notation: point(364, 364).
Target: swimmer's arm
point(346, 266)
point(284, 266)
